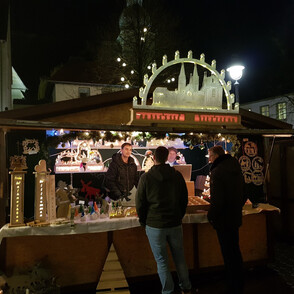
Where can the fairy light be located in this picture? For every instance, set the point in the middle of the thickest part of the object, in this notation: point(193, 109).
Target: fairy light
point(149, 66)
point(127, 86)
point(124, 64)
point(118, 59)
point(122, 79)
point(145, 30)
point(173, 79)
point(132, 72)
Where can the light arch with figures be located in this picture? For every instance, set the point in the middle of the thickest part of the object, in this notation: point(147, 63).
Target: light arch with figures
point(148, 81)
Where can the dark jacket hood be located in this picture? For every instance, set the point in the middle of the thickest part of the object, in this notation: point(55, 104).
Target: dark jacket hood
point(229, 166)
point(162, 172)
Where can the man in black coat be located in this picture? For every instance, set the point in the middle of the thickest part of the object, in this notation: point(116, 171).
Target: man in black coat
point(161, 202)
point(122, 174)
point(225, 214)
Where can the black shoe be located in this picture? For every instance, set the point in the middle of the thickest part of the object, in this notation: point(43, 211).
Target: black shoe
point(191, 291)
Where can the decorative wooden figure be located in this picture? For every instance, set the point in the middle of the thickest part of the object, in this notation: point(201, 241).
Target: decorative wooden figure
point(17, 164)
point(41, 191)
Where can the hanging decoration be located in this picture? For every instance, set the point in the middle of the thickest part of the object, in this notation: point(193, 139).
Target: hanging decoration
point(189, 139)
point(30, 146)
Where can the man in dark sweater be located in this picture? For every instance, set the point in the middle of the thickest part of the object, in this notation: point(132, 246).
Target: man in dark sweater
point(225, 214)
point(161, 202)
point(122, 174)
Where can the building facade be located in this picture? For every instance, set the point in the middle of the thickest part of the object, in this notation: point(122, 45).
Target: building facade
point(279, 107)
point(72, 90)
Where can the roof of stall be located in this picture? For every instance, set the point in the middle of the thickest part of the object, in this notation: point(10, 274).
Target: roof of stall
point(111, 111)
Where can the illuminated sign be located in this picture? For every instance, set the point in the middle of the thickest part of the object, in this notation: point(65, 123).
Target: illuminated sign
point(66, 169)
point(216, 118)
point(17, 198)
point(192, 118)
point(160, 116)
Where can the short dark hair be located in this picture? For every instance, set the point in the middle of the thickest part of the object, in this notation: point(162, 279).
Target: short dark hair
point(161, 154)
point(125, 144)
point(172, 149)
point(217, 149)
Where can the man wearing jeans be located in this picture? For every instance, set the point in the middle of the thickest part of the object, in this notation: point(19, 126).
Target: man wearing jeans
point(161, 202)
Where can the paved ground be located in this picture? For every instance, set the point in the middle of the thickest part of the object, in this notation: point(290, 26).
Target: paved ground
point(275, 278)
point(260, 280)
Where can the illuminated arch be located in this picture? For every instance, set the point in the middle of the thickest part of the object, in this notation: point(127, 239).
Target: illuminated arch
point(143, 92)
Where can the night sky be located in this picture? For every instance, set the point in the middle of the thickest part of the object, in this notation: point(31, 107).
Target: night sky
point(259, 34)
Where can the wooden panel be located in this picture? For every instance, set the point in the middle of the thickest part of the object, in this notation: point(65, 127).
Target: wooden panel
point(115, 115)
point(253, 241)
point(132, 247)
point(112, 277)
point(209, 253)
point(73, 259)
point(253, 237)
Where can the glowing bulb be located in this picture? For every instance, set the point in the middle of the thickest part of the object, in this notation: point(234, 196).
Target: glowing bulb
point(118, 59)
point(145, 30)
point(127, 86)
point(236, 72)
point(168, 80)
point(124, 64)
point(122, 79)
point(149, 66)
point(132, 72)
point(173, 79)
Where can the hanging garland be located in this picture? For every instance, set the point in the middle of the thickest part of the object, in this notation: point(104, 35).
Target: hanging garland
point(189, 139)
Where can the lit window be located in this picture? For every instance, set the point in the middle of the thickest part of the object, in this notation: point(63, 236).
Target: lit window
point(281, 111)
point(264, 110)
point(84, 92)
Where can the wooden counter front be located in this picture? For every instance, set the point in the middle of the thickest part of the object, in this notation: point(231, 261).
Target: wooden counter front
point(78, 259)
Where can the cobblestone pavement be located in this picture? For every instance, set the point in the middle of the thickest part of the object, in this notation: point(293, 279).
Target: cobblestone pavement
point(283, 262)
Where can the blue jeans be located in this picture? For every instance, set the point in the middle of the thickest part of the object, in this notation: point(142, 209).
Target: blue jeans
point(158, 239)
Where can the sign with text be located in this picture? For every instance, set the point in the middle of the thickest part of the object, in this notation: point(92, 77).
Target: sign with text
point(145, 117)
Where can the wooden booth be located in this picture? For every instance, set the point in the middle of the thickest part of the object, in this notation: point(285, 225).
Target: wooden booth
point(77, 252)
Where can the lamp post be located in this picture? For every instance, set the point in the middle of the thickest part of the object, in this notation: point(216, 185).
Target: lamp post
point(236, 72)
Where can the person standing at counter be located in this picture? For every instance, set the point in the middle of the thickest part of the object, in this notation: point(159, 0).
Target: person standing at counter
point(225, 213)
point(122, 174)
point(172, 156)
point(161, 202)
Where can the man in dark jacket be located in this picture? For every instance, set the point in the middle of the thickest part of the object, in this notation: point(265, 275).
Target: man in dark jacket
point(161, 202)
point(122, 174)
point(225, 214)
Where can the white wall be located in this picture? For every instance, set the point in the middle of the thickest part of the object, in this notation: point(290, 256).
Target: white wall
point(71, 91)
point(272, 103)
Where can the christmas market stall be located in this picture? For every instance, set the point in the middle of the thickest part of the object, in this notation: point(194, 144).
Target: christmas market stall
point(54, 212)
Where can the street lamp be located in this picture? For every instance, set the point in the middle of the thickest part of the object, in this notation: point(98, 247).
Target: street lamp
point(236, 72)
